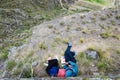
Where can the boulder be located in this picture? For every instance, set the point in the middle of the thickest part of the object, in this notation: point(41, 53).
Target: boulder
point(92, 54)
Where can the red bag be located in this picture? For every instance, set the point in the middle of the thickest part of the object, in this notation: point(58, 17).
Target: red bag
point(61, 72)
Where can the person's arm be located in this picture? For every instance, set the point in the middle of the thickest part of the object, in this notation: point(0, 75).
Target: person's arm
point(72, 63)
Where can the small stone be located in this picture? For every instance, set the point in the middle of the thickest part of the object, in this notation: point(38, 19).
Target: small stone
point(5, 74)
point(34, 64)
point(96, 74)
point(11, 51)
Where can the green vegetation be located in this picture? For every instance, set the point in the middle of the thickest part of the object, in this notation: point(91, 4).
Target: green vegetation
point(105, 35)
point(102, 26)
point(17, 71)
point(113, 22)
point(43, 46)
point(27, 72)
point(103, 65)
point(10, 65)
point(118, 16)
point(50, 26)
point(58, 39)
point(3, 56)
point(118, 51)
point(4, 53)
point(103, 18)
point(84, 30)
point(19, 64)
point(81, 40)
point(62, 23)
point(103, 2)
point(65, 41)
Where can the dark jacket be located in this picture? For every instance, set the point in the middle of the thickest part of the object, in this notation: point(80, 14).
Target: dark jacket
point(69, 55)
point(71, 71)
point(52, 65)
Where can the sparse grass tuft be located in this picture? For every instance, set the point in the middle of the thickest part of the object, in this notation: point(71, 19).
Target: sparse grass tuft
point(78, 29)
point(105, 35)
point(3, 56)
point(27, 73)
point(10, 65)
point(83, 16)
point(19, 64)
point(103, 18)
point(116, 36)
point(113, 22)
point(84, 30)
point(102, 2)
point(93, 18)
point(81, 40)
point(58, 39)
point(50, 26)
point(17, 71)
point(62, 23)
point(102, 26)
point(54, 44)
point(43, 46)
point(65, 41)
point(118, 16)
point(68, 28)
point(118, 51)
point(85, 22)
point(103, 65)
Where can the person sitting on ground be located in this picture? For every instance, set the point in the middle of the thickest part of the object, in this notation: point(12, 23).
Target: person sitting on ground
point(52, 68)
point(71, 69)
point(69, 55)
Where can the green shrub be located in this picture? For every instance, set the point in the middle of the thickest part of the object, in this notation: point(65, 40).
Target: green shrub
point(10, 64)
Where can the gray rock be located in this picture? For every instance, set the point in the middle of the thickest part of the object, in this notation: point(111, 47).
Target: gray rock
point(34, 64)
point(92, 54)
point(5, 74)
point(94, 69)
point(11, 51)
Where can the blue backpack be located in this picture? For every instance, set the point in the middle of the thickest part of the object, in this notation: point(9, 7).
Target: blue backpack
point(53, 71)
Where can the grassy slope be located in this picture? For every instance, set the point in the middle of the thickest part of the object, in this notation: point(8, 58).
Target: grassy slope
point(39, 15)
point(35, 13)
point(90, 31)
